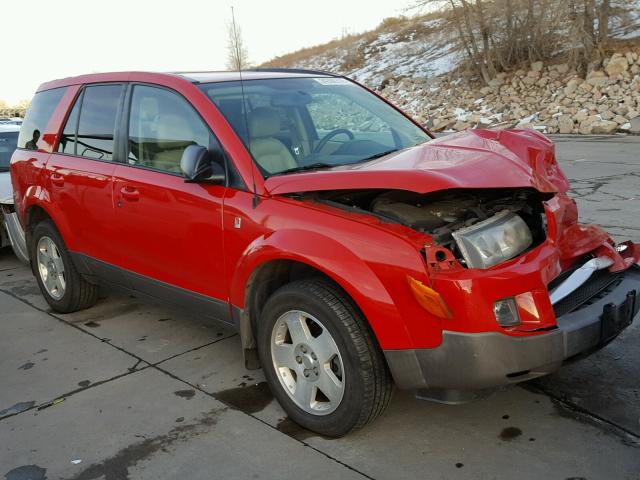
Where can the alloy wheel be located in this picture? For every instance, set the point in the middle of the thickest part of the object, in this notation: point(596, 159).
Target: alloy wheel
point(307, 362)
point(51, 268)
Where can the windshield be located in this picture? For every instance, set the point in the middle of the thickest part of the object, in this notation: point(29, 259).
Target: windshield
point(294, 124)
point(8, 143)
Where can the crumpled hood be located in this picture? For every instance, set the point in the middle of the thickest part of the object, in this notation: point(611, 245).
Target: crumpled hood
point(472, 159)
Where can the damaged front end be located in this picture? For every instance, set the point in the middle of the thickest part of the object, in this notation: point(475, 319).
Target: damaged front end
point(523, 285)
point(479, 229)
point(514, 283)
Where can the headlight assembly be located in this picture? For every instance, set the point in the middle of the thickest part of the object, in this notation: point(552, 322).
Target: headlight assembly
point(494, 240)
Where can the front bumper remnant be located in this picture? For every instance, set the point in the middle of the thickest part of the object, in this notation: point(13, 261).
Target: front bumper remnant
point(477, 361)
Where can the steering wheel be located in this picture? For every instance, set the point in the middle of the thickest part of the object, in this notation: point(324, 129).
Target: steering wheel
point(330, 135)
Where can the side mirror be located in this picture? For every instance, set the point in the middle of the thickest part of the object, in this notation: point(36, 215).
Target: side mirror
point(200, 165)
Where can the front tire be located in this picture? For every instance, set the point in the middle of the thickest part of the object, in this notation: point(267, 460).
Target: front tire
point(321, 360)
point(64, 289)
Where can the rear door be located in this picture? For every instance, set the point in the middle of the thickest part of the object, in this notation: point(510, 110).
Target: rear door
point(81, 171)
point(170, 231)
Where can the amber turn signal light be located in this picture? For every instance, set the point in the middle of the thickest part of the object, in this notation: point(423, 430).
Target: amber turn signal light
point(429, 299)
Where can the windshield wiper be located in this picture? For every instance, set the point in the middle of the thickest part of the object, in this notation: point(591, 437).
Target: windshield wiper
point(311, 166)
point(316, 165)
point(378, 155)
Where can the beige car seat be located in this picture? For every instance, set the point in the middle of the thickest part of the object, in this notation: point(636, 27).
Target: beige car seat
point(269, 152)
point(174, 134)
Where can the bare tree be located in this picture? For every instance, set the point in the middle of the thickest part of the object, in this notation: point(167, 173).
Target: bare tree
point(237, 53)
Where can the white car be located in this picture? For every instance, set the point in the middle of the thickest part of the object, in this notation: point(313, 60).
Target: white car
point(11, 232)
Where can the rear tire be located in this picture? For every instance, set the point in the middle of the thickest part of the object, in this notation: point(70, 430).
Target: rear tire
point(64, 289)
point(336, 379)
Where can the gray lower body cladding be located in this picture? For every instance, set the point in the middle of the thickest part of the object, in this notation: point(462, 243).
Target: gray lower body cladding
point(14, 233)
point(475, 361)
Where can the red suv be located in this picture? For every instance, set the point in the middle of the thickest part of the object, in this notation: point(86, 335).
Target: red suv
point(349, 248)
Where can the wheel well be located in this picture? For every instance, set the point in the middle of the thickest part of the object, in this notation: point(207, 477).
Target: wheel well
point(35, 214)
point(270, 276)
point(263, 282)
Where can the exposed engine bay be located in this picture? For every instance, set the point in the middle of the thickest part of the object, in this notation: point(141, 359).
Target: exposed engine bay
point(450, 216)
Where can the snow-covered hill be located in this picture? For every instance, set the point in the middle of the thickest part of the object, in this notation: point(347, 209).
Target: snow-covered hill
point(415, 47)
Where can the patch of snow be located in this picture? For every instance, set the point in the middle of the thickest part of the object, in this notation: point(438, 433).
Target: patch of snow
point(461, 114)
point(528, 119)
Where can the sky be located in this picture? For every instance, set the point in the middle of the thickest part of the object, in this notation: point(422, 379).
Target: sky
point(60, 38)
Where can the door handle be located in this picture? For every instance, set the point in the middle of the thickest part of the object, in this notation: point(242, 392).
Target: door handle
point(130, 193)
point(57, 179)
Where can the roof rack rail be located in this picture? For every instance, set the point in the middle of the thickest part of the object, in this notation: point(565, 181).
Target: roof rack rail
point(292, 70)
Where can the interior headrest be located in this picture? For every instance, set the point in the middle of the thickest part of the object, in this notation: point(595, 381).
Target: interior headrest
point(173, 128)
point(263, 122)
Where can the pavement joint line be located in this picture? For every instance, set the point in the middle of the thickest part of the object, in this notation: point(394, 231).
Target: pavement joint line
point(228, 405)
point(64, 396)
point(575, 180)
point(8, 269)
point(194, 349)
point(635, 229)
point(581, 411)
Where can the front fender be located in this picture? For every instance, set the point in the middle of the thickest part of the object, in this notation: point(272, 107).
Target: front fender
point(347, 268)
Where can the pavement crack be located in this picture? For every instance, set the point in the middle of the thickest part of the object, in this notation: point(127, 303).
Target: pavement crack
point(194, 349)
point(7, 269)
point(582, 414)
point(62, 397)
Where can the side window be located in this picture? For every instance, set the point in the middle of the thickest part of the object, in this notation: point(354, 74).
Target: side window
point(97, 121)
point(161, 125)
point(38, 115)
point(67, 142)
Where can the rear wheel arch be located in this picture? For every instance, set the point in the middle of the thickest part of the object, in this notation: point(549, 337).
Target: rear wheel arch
point(35, 214)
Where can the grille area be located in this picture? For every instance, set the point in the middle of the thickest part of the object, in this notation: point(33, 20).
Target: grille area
point(599, 285)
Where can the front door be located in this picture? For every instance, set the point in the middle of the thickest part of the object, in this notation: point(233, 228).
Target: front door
point(171, 240)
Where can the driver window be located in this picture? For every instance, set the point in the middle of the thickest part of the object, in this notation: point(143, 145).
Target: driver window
point(161, 125)
point(330, 112)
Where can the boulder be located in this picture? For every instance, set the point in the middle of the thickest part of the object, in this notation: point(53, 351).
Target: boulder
point(630, 59)
point(537, 66)
point(596, 77)
point(606, 114)
point(621, 110)
point(635, 126)
point(562, 68)
point(585, 86)
point(565, 124)
point(617, 65)
point(620, 120)
point(581, 116)
point(604, 127)
point(586, 125)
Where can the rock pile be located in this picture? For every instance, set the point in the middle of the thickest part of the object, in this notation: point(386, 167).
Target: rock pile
point(550, 98)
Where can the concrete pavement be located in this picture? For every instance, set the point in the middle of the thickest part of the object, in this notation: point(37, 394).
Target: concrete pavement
point(128, 389)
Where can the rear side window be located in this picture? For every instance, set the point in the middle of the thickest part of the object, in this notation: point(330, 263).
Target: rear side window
point(38, 116)
point(97, 122)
